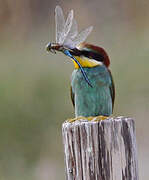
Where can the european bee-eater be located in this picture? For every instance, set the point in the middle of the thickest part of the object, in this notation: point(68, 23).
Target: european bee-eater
point(98, 99)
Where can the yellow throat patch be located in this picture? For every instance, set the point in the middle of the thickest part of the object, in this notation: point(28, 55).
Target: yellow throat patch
point(86, 62)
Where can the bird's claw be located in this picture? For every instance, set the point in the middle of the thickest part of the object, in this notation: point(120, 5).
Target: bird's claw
point(91, 118)
point(99, 118)
point(76, 119)
point(96, 118)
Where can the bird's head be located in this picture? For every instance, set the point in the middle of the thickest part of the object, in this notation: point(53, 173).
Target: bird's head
point(90, 56)
point(84, 56)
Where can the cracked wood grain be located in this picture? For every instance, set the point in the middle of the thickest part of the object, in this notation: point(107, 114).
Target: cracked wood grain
point(104, 150)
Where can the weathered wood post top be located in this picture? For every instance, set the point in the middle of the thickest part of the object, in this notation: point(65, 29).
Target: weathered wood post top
point(100, 150)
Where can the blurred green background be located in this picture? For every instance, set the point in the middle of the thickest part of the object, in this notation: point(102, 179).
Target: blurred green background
point(34, 85)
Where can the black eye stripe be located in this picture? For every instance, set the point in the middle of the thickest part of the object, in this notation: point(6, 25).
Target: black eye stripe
point(93, 55)
point(88, 54)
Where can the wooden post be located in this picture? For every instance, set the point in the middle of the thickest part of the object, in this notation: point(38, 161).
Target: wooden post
point(103, 150)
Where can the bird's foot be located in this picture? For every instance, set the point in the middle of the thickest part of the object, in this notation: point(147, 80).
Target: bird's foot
point(76, 119)
point(96, 118)
point(100, 118)
point(90, 118)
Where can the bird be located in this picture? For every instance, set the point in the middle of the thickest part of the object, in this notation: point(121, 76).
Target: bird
point(92, 85)
point(97, 100)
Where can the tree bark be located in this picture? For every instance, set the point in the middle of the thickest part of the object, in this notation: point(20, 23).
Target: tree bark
point(100, 150)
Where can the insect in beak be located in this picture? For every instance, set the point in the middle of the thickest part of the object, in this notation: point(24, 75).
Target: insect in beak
point(53, 47)
point(67, 37)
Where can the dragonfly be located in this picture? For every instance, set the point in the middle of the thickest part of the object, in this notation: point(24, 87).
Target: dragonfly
point(68, 37)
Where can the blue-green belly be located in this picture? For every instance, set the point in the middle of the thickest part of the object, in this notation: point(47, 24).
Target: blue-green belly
point(96, 100)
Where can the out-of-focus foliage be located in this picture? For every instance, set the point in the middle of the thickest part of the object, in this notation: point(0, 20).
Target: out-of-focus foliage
point(34, 85)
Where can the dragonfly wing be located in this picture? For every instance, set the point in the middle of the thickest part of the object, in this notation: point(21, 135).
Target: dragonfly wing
point(68, 42)
point(60, 22)
point(67, 27)
point(82, 36)
point(73, 31)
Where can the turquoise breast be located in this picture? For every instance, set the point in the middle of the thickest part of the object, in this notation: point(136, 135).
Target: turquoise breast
point(96, 100)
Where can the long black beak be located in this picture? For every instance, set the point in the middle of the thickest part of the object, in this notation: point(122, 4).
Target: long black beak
point(67, 53)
